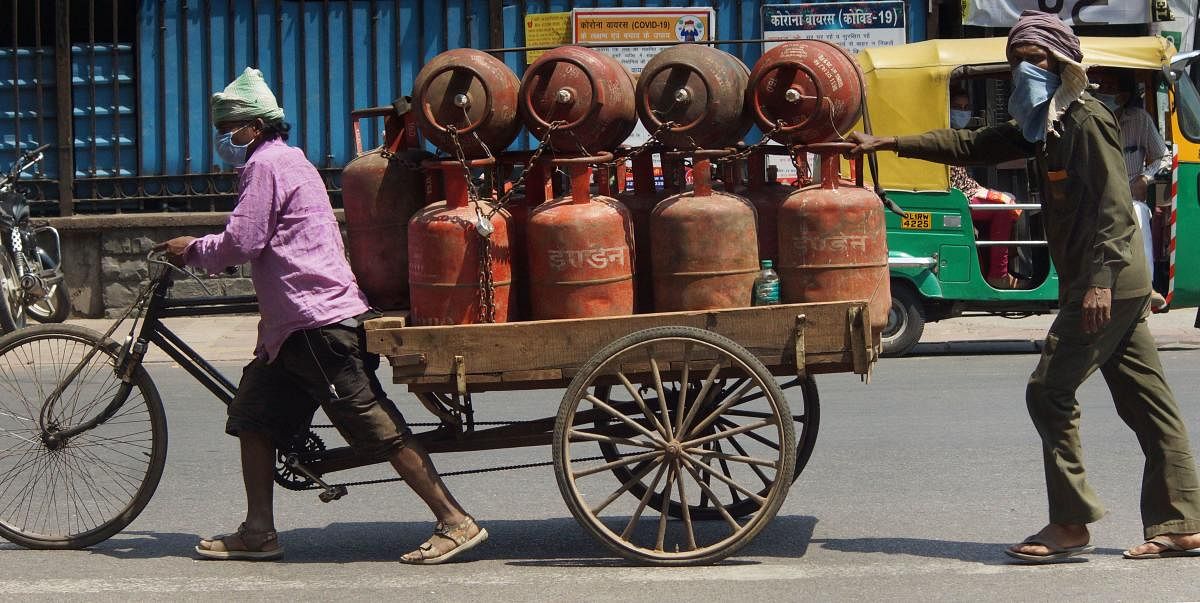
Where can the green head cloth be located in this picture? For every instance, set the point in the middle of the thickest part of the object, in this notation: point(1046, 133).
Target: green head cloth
point(244, 99)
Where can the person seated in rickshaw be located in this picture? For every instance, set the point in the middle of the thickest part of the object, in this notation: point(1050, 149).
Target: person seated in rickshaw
point(1143, 146)
point(998, 223)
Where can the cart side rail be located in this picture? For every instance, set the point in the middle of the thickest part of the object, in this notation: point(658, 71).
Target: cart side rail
point(822, 337)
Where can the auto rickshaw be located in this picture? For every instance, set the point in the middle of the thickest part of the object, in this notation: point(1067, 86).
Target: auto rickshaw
point(934, 251)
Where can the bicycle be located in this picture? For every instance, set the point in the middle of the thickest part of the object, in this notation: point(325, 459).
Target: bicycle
point(88, 427)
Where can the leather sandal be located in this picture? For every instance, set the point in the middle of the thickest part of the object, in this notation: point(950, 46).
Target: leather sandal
point(1166, 548)
point(243, 545)
point(446, 543)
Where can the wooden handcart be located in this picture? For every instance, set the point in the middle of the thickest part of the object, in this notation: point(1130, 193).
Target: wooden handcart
point(674, 444)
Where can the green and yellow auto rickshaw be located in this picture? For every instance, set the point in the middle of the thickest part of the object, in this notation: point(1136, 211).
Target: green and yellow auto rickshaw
point(935, 249)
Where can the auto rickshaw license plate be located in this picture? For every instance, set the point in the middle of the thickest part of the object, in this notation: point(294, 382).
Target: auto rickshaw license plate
point(916, 220)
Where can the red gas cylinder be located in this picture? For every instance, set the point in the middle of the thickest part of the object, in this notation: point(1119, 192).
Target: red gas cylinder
point(641, 201)
point(380, 191)
point(701, 90)
point(445, 270)
point(705, 246)
point(833, 242)
point(471, 92)
point(580, 251)
point(812, 87)
point(766, 195)
point(587, 92)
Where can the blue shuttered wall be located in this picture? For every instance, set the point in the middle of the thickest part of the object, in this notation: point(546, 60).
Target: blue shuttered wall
point(104, 99)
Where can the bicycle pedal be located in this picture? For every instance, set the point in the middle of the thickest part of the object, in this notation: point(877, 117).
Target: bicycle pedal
point(332, 493)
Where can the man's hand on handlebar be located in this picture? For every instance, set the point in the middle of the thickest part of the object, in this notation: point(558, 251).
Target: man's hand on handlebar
point(174, 249)
point(866, 143)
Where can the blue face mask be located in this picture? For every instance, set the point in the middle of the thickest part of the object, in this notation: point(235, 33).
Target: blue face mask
point(959, 118)
point(1029, 103)
point(231, 153)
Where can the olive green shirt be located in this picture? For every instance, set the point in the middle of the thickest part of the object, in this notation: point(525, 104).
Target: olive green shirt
point(1088, 212)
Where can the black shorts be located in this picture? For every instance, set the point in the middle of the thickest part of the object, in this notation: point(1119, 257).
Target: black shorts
point(279, 398)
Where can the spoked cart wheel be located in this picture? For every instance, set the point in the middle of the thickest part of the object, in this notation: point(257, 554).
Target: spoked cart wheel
point(805, 423)
point(671, 446)
point(73, 492)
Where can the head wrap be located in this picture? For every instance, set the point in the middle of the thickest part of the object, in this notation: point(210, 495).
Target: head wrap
point(246, 98)
point(1045, 30)
point(1049, 32)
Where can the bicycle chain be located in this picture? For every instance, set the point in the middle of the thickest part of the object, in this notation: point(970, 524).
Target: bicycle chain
point(387, 480)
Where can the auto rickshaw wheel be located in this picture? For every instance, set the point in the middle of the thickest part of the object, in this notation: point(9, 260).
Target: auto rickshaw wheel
point(906, 321)
point(678, 446)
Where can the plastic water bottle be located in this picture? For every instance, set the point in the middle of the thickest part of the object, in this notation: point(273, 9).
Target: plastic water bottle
point(766, 286)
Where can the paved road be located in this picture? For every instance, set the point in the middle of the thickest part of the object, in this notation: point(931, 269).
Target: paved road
point(918, 480)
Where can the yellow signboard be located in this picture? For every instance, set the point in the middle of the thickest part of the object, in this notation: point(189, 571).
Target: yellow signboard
point(643, 27)
point(546, 29)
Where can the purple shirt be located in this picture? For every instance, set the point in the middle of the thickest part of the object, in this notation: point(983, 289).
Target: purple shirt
point(284, 227)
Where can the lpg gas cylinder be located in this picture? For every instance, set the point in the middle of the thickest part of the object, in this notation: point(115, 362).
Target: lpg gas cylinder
point(588, 94)
point(705, 246)
point(833, 242)
point(380, 191)
point(472, 93)
point(641, 201)
point(807, 91)
point(699, 91)
point(766, 194)
point(455, 275)
point(580, 251)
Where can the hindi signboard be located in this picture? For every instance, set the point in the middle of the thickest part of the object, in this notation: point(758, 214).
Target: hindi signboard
point(546, 29)
point(853, 25)
point(1004, 13)
point(643, 26)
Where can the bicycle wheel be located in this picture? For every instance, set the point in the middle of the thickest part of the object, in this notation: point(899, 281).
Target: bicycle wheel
point(80, 490)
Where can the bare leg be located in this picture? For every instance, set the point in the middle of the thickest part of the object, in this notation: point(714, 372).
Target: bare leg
point(258, 476)
point(415, 466)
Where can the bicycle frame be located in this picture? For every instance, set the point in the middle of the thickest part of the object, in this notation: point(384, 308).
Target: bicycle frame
point(153, 330)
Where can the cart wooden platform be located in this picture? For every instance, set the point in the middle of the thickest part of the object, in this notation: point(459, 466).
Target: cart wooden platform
point(674, 444)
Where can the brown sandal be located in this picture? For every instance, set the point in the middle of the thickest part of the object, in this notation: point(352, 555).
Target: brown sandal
point(460, 536)
point(243, 545)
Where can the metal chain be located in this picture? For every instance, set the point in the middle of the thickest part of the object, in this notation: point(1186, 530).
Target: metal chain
point(650, 142)
point(543, 144)
point(461, 156)
point(803, 169)
point(746, 152)
point(487, 289)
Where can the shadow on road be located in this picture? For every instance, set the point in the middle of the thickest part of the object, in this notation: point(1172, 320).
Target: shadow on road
point(541, 542)
point(980, 347)
point(985, 553)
